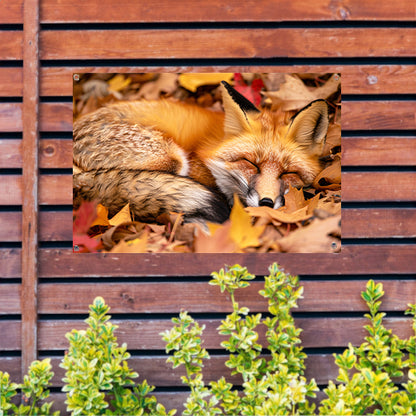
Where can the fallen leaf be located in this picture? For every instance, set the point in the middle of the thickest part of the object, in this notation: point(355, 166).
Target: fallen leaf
point(138, 245)
point(191, 81)
point(219, 241)
point(102, 216)
point(251, 92)
point(122, 216)
point(242, 232)
point(166, 83)
point(316, 237)
point(118, 82)
point(294, 94)
point(330, 177)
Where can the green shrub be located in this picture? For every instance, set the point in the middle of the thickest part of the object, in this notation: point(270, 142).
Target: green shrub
point(276, 386)
point(34, 389)
point(98, 380)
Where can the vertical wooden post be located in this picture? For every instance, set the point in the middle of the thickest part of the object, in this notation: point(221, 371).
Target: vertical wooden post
point(30, 181)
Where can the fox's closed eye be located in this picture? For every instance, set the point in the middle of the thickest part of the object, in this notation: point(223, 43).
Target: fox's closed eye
point(250, 163)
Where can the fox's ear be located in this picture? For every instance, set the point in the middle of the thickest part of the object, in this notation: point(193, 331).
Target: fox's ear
point(310, 125)
point(237, 108)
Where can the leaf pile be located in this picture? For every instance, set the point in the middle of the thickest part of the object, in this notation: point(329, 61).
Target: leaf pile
point(310, 221)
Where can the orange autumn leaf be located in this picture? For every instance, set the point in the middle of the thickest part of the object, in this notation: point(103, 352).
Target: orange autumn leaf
point(102, 216)
point(122, 216)
point(138, 245)
point(242, 232)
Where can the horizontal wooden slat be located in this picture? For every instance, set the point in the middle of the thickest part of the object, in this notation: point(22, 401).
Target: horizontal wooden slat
point(365, 186)
point(201, 297)
point(360, 79)
point(53, 153)
point(11, 342)
point(222, 11)
point(379, 223)
point(11, 11)
point(145, 334)
point(357, 151)
point(11, 45)
point(378, 186)
point(53, 190)
point(378, 151)
point(229, 43)
point(357, 115)
point(11, 117)
point(384, 115)
point(93, 11)
point(361, 259)
point(10, 299)
point(356, 223)
point(11, 80)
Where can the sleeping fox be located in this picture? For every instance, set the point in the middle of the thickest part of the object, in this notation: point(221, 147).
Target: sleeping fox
point(165, 156)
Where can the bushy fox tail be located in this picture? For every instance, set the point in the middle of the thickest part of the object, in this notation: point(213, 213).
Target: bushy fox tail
point(150, 193)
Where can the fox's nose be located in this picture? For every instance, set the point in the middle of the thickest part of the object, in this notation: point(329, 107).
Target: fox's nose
point(266, 202)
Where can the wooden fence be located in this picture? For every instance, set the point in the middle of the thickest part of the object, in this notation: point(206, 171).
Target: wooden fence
point(45, 289)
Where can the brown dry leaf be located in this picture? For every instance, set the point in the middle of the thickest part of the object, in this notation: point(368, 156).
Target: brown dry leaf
point(138, 245)
point(191, 81)
point(316, 237)
point(333, 139)
point(294, 200)
point(165, 83)
point(280, 215)
point(122, 216)
point(330, 177)
point(294, 94)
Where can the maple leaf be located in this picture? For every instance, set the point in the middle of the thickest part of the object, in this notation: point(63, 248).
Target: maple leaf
point(83, 218)
point(251, 92)
point(102, 216)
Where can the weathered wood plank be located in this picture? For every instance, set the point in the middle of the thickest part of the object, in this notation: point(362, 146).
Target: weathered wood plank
point(357, 186)
point(11, 11)
point(229, 43)
point(201, 297)
point(13, 340)
point(376, 115)
point(11, 44)
point(30, 181)
point(53, 153)
point(222, 11)
point(379, 223)
point(357, 151)
point(378, 186)
point(362, 259)
point(357, 115)
point(11, 79)
point(360, 79)
point(145, 334)
point(356, 223)
point(10, 299)
point(378, 151)
point(11, 117)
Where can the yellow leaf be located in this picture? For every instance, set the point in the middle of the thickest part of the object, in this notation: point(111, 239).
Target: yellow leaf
point(118, 82)
point(122, 216)
point(102, 216)
point(138, 245)
point(192, 81)
point(242, 232)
